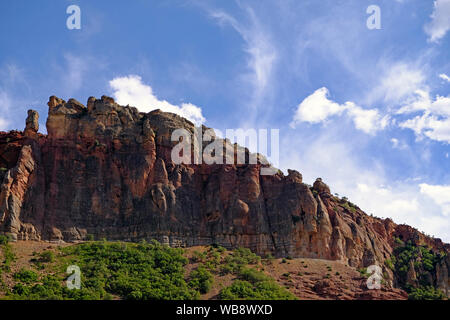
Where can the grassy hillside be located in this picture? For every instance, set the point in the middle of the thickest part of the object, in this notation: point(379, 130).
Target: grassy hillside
point(118, 270)
point(146, 271)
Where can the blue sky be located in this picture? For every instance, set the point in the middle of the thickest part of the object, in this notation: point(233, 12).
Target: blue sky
point(366, 110)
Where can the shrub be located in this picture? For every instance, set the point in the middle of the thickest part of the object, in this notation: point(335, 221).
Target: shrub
point(198, 256)
point(8, 255)
point(238, 259)
point(90, 237)
point(269, 256)
point(254, 285)
point(47, 256)
point(363, 272)
point(201, 280)
point(3, 239)
point(130, 271)
point(390, 263)
point(26, 276)
point(425, 293)
point(252, 275)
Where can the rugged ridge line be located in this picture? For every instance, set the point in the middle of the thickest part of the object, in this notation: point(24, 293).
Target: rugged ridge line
point(105, 170)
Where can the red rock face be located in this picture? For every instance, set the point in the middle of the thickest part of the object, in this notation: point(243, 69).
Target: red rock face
point(106, 170)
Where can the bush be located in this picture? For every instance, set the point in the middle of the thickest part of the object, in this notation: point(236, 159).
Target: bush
point(25, 276)
point(390, 263)
point(255, 285)
point(3, 239)
point(8, 255)
point(252, 275)
point(47, 256)
point(90, 237)
point(263, 290)
point(201, 280)
point(130, 271)
point(425, 293)
point(238, 259)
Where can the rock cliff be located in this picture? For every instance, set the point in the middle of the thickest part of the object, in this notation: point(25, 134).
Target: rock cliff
point(105, 170)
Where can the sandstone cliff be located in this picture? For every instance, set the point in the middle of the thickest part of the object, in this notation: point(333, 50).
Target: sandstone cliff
point(105, 170)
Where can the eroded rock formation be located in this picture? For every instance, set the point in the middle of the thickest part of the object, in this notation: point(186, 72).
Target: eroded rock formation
point(106, 170)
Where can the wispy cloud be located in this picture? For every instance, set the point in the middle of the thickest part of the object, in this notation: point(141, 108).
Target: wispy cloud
point(76, 69)
point(398, 82)
point(5, 105)
point(262, 55)
point(434, 120)
point(445, 77)
point(439, 25)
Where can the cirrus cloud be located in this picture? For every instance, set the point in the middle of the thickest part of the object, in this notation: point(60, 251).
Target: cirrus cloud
point(440, 21)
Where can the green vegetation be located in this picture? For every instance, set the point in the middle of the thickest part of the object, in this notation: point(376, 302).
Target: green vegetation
point(3, 240)
point(238, 259)
point(253, 284)
point(125, 270)
point(389, 263)
point(47, 256)
point(349, 206)
point(201, 280)
point(424, 261)
point(26, 276)
point(144, 271)
point(363, 272)
point(8, 254)
point(90, 237)
point(426, 293)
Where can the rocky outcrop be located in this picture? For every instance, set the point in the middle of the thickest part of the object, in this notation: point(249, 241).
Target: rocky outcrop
point(106, 170)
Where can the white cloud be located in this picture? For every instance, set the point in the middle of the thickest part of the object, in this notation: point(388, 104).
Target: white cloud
point(367, 120)
point(429, 126)
point(365, 184)
point(5, 104)
point(439, 25)
point(445, 77)
point(318, 108)
point(434, 122)
point(131, 90)
point(3, 125)
point(397, 144)
point(398, 83)
point(440, 195)
point(76, 68)
point(262, 54)
point(254, 85)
